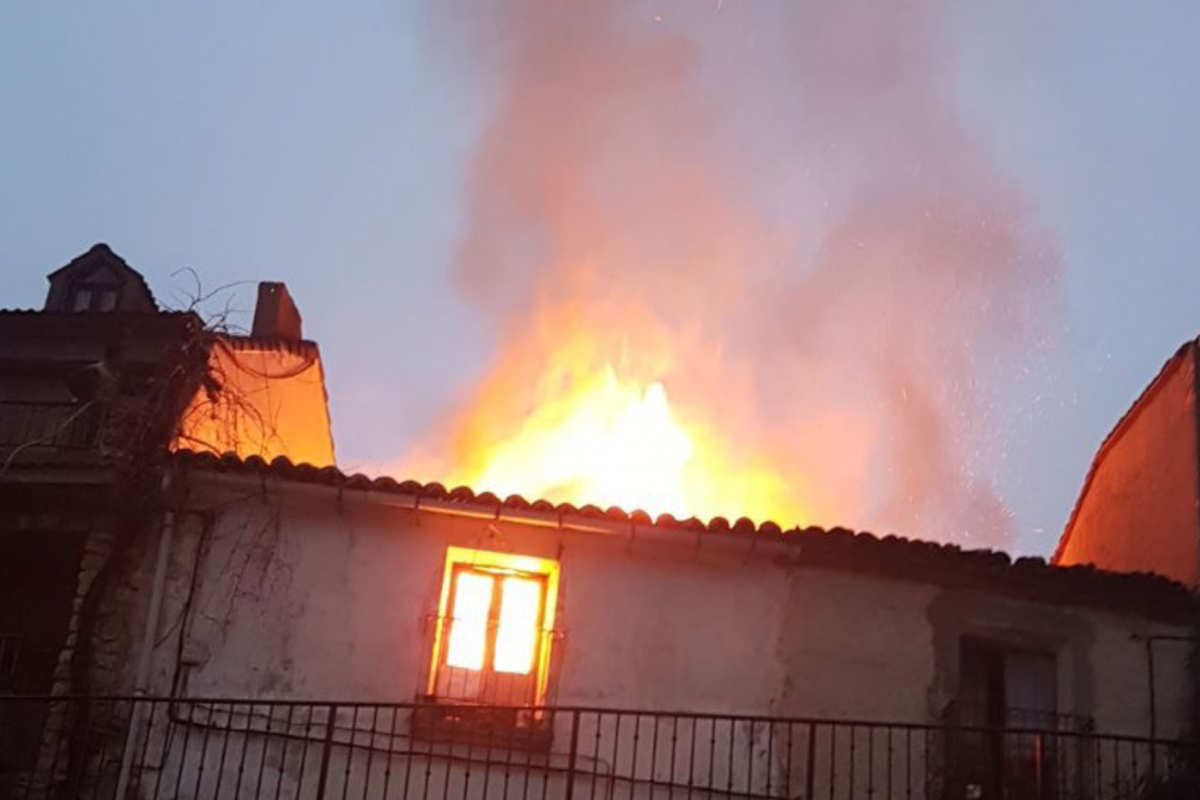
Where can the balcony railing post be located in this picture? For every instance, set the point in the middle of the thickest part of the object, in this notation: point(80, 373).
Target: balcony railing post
point(810, 763)
point(326, 751)
point(1039, 769)
point(572, 754)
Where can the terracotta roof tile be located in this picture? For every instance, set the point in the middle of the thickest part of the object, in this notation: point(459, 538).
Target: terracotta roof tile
point(640, 517)
point(302, 347)
point(770, 528)
point(387, 484)
point(359, 481)
point(743, 526)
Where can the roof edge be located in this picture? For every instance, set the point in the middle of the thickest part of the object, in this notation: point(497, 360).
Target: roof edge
point(1028, 578)
point(238, 341)
point(1116, 434)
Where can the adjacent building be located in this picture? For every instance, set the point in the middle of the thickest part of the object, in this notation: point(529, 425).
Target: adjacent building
point(1139, 509)
point(97, 388)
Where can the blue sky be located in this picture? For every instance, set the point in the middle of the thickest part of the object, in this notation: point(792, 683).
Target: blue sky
point(325, 144)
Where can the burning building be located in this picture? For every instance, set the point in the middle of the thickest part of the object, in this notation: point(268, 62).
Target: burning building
point(267, 625)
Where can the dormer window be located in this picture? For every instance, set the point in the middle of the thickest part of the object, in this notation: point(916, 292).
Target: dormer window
point(81, 300)
point(98, 282)
point(102, 299)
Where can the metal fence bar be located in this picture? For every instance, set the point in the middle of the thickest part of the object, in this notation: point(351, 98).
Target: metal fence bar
point(326, 752)
point(572, 755)
point(209, 749)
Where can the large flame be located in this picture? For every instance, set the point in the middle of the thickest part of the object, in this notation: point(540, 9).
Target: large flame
point(740, 262)
point(608, 440)
point(593, 430)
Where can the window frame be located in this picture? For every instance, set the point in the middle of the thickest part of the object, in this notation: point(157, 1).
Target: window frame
point(95, 296)
point(543, 570)
point(995, 658)
point(492, 630)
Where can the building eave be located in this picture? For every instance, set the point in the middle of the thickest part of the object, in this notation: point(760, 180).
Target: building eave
point(893, 557)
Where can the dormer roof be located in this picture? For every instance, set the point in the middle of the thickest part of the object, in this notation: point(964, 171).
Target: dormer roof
point(98, 281)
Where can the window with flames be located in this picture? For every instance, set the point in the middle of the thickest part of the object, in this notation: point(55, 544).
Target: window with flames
point(493, 638)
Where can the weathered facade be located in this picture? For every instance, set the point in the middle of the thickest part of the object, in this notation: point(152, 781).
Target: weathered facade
point(339, 582)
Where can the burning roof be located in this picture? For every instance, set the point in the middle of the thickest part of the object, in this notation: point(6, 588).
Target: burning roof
point(789, 272)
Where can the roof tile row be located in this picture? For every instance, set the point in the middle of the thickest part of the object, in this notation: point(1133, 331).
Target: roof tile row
point(1026, 577)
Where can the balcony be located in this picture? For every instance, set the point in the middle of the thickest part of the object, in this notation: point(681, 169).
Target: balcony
point(32, 426)
point(114, 747)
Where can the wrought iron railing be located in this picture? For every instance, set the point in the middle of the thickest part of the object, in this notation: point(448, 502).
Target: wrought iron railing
point(109, 748)
point(70, 426)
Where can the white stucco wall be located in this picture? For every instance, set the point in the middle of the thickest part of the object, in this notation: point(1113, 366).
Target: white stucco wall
point(302, 596)
point(339, 608)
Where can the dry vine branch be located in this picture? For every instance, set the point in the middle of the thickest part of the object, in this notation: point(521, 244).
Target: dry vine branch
point(140, 430)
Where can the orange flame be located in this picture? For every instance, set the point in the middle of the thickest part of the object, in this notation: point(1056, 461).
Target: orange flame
point(591, 430)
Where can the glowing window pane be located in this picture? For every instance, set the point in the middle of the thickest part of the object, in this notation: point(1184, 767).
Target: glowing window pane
point(469, 620)
point(516, 639)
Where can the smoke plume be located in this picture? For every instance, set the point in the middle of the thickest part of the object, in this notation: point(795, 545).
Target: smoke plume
point(774, 208)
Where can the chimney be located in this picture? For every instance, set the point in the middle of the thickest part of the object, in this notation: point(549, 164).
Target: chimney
point(275, 315)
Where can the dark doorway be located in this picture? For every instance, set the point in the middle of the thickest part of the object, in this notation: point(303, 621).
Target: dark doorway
point(38, 574)
point(1007, 708)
